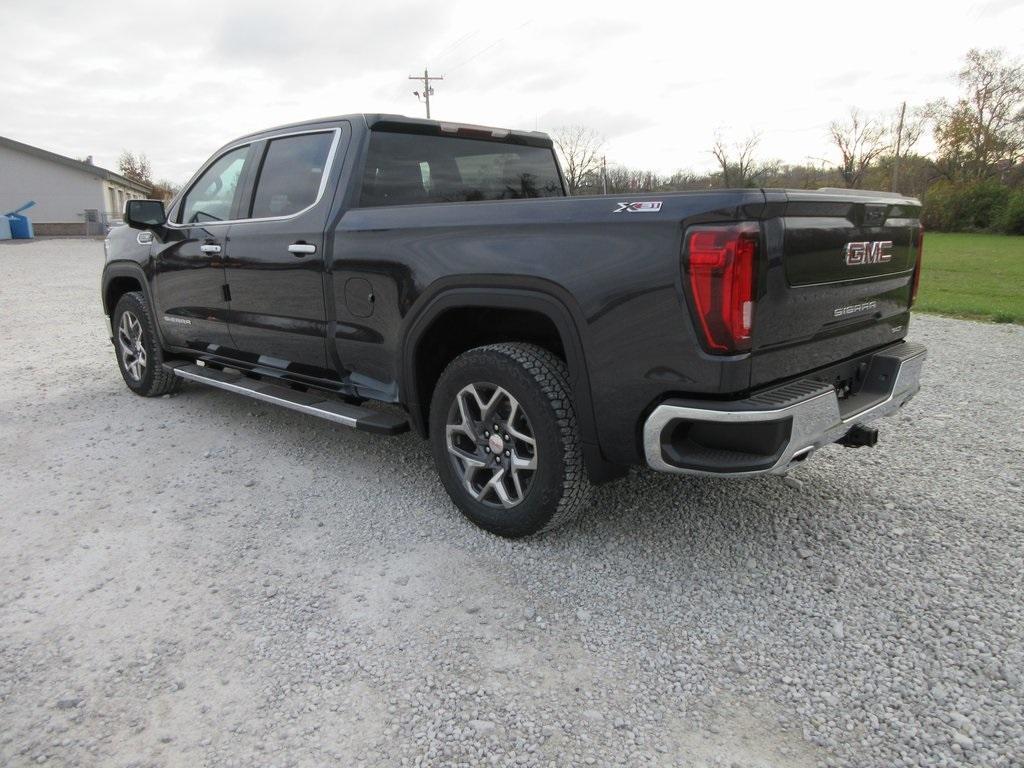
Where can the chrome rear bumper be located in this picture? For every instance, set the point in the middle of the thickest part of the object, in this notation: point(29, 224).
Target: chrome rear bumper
point(771, 431)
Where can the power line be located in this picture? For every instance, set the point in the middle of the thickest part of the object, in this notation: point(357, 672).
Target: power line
point(428, 90)
point(478, 53)
point(489, 47)
point(452, 47)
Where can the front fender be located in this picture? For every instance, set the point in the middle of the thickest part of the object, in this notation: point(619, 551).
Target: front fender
point(121, 269)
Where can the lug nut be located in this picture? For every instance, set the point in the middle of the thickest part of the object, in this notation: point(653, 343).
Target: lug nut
point(495, 427)
point(508, 453)
point(507, 437)
point(486, 449)
point(486, 433)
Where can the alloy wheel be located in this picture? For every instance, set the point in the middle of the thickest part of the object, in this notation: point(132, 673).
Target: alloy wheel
point(491, 444)
point(133, 350)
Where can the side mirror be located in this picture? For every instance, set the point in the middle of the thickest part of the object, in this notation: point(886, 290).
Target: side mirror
point(144, 214)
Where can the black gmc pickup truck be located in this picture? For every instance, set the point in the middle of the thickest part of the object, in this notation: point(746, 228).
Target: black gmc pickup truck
point(538, 341)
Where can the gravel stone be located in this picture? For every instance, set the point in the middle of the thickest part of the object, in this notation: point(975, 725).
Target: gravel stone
point(838, 632)
point(793, 482)
point(680, 622)
point(482, 727)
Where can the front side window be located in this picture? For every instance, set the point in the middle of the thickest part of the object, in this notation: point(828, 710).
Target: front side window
point(211, 197)
point(291, 174)
point(404, 168)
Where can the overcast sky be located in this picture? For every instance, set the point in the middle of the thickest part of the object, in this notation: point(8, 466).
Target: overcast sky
point(657, 79)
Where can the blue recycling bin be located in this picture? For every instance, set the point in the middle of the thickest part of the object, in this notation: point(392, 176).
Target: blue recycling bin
point(21, 226)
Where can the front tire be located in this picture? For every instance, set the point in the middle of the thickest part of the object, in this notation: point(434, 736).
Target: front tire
point(137, 345)
point(504, 438)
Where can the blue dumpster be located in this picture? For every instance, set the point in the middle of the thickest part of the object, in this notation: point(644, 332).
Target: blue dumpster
point(21, 226)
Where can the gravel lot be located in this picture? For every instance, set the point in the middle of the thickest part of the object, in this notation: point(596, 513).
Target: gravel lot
point(206, 580)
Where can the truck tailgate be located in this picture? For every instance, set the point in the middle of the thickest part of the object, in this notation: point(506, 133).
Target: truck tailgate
point(838, 280)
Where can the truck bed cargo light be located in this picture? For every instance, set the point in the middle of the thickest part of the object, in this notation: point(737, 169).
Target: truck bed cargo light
point(464, 129)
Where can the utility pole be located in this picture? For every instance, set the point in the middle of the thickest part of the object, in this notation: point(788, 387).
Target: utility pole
point(899, 145)
point(427, 89)
point(604, 175)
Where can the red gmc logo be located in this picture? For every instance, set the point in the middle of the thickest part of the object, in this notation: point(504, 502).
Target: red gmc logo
point(867, 252)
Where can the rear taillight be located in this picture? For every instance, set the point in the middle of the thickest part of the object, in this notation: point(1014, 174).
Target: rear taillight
point(721, 266)
point(917, 265)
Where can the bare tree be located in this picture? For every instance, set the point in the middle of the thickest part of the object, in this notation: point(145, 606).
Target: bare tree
point(860, 139)
point(905, 131)
point(684, 179)
point(164, 190)
point(985, 127)
point(135, 167)
point(739, 164)
point(580, 149)
point(621, 179)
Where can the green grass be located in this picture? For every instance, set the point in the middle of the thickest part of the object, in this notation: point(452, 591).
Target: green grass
point(976, 276)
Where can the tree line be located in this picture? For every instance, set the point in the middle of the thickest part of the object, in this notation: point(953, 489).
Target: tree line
point(136, 167)
point(973, 180)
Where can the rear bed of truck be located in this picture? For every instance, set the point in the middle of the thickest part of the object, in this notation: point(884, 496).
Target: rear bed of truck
point(833, 275)
point(839, 281)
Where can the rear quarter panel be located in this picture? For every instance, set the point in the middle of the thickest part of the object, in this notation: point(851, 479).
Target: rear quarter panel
point(618, 274)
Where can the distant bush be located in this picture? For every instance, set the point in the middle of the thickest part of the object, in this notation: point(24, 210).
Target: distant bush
point(1012, 220)
point(980, 206)
point(939, 213)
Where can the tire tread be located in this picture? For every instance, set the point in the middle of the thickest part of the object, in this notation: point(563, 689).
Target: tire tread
point(163, 382)
point(552, 376)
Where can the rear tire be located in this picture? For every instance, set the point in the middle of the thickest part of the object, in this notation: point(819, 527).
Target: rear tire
point(527, 476)
point(137, 346)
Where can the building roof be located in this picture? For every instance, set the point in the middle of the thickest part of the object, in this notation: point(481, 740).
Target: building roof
point(95, 170)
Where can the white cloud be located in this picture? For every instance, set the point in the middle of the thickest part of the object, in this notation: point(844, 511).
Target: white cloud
point(657, 79)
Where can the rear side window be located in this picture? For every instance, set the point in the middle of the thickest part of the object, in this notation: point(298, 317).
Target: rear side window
point(405, 168)
point(213, 194)
point(290, 177)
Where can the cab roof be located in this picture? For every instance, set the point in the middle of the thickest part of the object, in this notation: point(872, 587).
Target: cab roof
point(405, 124)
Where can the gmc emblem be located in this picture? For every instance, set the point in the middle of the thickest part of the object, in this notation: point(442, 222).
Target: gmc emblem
point(867, 252)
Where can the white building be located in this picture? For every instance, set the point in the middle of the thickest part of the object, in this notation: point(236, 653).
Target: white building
point(72, 197)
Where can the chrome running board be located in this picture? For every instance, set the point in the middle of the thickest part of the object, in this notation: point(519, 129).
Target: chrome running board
point(310, 402)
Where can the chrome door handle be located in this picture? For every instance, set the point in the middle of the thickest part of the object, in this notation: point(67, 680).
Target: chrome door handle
point(301, 249)
point(209, 248)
